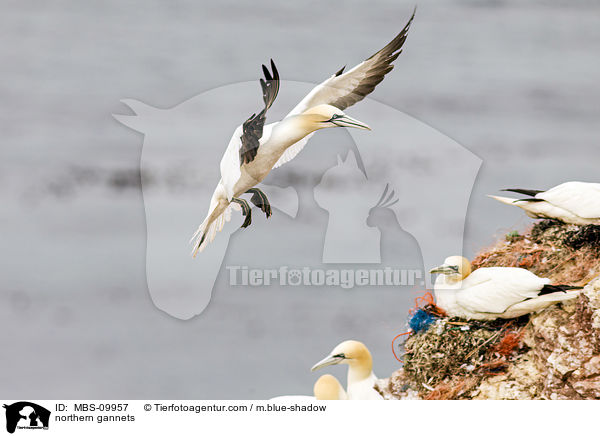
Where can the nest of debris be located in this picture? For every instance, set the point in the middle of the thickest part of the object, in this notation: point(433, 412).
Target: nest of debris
point(452, 358)
point(452, 355)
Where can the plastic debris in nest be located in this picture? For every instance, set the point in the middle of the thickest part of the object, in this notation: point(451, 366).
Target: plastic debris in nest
point(420, 320)
point(420, 317)
point(424, 313)
point(452, 351)
point(426, 303)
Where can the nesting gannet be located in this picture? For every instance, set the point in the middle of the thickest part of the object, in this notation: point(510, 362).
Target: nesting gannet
point(361, 380)
point(570, 202)
point(327, 387)
point(496, 292)
point(255, 148)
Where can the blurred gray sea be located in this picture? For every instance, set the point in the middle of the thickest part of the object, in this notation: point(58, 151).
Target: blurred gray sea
point(515, 82)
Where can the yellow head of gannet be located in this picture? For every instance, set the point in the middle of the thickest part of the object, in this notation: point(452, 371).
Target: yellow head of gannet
point(361, 380)
point(353, 353)
point(327, 387)
point(324, 116)
point(494, 292)
point(454, 268)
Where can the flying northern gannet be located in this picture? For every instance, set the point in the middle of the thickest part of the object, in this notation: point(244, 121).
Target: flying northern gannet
point(571, 202)
point(361, 380)
point(496, 292)
point(255, 148)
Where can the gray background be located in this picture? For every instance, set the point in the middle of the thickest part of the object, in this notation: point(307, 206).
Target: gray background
point(515, 82)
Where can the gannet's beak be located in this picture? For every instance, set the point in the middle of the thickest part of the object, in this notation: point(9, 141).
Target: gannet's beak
point(444, 269)
point(329, 360)
point(346, 121)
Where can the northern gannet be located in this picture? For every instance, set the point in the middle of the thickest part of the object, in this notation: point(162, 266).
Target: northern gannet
point(496, 292)
point(571, 202)
point(327, 387)
point(361, 380)
point(255, 148)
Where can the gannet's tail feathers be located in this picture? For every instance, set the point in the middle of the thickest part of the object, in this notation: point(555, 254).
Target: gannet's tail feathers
point(553, 289)
point(214, 222)
point(530, 192)
point(515, 201)
point(539, 303)
point(505, 200)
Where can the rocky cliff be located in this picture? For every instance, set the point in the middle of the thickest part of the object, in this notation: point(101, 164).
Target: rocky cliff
point(553, 354)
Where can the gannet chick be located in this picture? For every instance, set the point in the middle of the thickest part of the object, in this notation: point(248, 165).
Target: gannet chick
point(571, 202)
point(255, 148)
point(361, 380)
point(327, 387)
point(496, 292)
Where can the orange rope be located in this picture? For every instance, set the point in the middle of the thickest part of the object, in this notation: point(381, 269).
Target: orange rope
point(394, 340)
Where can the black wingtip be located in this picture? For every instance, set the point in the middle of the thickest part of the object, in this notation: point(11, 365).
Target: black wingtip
point(552, 289)
point(275, 72)
point(266, 72)
point(530, 192)
point(339, 73)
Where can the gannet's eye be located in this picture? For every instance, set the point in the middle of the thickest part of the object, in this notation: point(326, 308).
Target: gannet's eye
point(340, 356)
point(454, 268)
point(335, 117)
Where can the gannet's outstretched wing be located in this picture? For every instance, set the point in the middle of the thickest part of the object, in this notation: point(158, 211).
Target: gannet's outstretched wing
point(293, 151)
point(344, 89)
point(246, 139)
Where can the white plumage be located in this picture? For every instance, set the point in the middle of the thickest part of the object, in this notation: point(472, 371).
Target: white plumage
point(491, 293)
point(255, 148)
point(571, 202)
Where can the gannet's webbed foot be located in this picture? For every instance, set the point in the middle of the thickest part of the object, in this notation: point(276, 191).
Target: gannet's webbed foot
point(246, 211)
point(260, 200)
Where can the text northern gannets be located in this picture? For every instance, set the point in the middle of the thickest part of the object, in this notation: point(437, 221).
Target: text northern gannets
point(361, 380)
point(570, 202)
point(255, 148)
point(496, 292)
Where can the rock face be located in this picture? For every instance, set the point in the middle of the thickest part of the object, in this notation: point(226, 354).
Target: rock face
point(559, 348)
point(566, 348)
point(563, 361)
